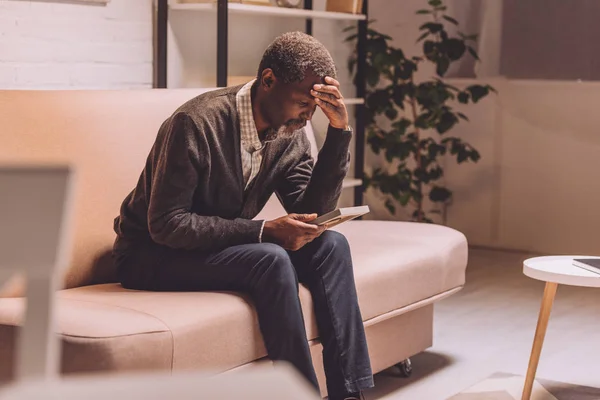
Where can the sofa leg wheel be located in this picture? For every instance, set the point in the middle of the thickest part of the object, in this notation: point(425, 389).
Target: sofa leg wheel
point(405, 368)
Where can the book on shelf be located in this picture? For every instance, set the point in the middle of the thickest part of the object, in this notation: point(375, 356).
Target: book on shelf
point(345, 6)
point(252, 2)
point(590, 264)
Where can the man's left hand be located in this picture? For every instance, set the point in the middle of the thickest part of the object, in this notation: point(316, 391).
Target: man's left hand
point(330, 100)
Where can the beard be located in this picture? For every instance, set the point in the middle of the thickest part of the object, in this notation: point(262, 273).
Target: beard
point(288, 129)
point(292, 126)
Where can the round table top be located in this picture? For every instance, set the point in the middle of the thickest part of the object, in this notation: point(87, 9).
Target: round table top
point(560, 269)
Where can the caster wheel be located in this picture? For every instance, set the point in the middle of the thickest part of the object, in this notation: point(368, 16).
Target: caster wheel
point(405, 368)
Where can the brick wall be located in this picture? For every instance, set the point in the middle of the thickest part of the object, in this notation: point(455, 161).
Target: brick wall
point(64, 44)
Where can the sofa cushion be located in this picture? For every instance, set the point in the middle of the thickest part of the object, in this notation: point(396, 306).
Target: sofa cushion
point(80, 317)
point(396, 264)
point(400, 263)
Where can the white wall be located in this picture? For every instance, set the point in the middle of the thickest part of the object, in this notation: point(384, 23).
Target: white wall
point(536, 187)
point(58, 44)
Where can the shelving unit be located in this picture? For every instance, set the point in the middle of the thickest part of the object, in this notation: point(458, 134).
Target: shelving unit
point(354, 101)
point(223, 8)
point(238, 8)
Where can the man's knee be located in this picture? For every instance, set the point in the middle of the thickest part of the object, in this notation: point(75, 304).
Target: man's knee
point(335, 242)
point(276, 267)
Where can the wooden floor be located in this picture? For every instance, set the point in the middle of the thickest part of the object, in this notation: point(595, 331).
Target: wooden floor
point(489, 327)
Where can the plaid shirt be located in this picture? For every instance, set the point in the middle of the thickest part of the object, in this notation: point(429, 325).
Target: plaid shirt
point(251, 146)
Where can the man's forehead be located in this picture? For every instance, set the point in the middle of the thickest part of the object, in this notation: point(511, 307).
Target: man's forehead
point(305, 86)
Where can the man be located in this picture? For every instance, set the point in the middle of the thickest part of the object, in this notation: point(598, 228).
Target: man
point(188, 225)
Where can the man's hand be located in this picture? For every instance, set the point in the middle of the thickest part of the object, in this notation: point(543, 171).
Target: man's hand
point(292, 231)
point(331, 101)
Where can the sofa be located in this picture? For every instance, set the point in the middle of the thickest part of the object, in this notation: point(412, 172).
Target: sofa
point(401, 268)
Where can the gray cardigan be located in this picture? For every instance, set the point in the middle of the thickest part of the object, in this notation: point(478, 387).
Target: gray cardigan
point(191, 195)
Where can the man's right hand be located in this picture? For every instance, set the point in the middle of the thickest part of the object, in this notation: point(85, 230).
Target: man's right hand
point(292, 231)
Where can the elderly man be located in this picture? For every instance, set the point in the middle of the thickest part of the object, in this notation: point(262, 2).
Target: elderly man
point(188, 224)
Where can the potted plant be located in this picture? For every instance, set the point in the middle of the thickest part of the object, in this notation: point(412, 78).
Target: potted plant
point(419, 114)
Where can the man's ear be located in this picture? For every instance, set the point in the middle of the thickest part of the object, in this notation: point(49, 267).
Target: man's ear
point(268, 79)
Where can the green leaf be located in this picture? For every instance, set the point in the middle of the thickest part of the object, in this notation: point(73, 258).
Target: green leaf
point(455, 49)
point(424, 12)
point(431, 95)
point(404, 199)
point(379, 61)
point(429, 49)
point(372, 76)
point(435, 173)
point(462, 156)
point(463, 116)
point(442, 66)
point(463, 97)
point(418, 216)
point(422, 121)
point(473, 53)
point(349, 28)
point(399, 94)
point(435, 3)
point(405, 70)
point(401, 125)
point(423, 36)
point(351, 37)
point(435, 150)
point(373, 32)
point(439, 194)
point(478, 92)
point(455, 144)
point(391, 113)
point(377, 45)
point(474, 156)
point(351, 64)
point(421, 175)
point(432, 27)
point(446, 122)
point(396, 56)
point(378, 101)
point(390, 206)
point(450, 19)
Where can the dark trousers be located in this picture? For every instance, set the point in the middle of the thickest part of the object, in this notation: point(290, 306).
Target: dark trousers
point(270, 276)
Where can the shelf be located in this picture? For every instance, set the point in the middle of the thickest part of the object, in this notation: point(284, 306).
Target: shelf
point(353, 101)
point(351, 182)
point(238, 8)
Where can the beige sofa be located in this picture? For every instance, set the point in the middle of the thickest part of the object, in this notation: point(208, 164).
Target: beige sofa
point(401, 268)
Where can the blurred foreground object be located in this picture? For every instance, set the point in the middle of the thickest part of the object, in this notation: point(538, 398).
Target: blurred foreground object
point(265, 382)
point(34, 238)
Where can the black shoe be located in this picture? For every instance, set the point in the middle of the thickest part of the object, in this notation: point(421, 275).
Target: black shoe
point(355, 396)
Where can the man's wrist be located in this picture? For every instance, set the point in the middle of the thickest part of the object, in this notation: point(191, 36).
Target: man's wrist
point(344, 128)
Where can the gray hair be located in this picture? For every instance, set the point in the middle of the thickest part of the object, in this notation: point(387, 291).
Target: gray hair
point(292, 54)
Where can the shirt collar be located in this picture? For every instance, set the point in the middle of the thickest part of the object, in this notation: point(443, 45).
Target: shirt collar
point(249, 134)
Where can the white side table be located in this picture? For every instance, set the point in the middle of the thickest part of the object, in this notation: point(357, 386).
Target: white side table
point(553, 270)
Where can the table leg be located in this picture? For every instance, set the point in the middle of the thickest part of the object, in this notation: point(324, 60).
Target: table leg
point(540, 333)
